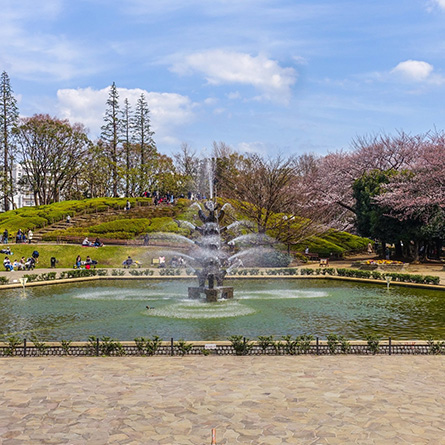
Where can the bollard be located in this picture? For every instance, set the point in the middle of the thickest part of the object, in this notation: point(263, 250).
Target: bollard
point(172, 351)
point(24, 347)
point(317, 346)
point(213, 436)
point(389, 346)
point(97, 347)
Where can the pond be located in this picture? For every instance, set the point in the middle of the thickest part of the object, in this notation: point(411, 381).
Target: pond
point(261, 307)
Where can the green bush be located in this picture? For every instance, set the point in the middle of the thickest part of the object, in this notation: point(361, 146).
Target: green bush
point(183, 347)
point(323, 247)
point(240, 344)
point(169, 272)
point(78, 273)
point(117, 273)
point(351, 243)
point(13, 343)
point(148, 346)
point(107, 346)
point(134, 226)
point(162, 224)
point(373, 343)
point(400, 277)
point(432, 280)
point(47, 276)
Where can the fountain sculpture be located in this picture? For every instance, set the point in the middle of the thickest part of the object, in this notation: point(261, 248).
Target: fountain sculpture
point(210, 257)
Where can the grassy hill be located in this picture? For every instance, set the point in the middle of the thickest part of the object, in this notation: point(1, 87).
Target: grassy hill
point(106, 218)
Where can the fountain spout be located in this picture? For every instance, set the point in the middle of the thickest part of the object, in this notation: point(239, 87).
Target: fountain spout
point(210, 270)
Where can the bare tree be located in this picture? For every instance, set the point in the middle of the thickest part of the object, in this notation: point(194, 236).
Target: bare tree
point(262, 188)
point(187, 166)
point(53, 153)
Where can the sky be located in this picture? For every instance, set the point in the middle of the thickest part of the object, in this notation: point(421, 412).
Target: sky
point(263, 76)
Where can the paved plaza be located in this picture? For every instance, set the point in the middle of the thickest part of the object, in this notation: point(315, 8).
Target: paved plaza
point(249, 400)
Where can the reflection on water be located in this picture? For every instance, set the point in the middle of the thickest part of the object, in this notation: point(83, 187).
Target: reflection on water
point(261, 307)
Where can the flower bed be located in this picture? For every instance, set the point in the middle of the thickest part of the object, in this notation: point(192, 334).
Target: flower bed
point(383, 265)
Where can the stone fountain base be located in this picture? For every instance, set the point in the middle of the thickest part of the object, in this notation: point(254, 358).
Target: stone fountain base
point(214, 294)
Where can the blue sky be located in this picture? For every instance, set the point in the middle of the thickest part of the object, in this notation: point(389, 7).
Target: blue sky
point(263, 76)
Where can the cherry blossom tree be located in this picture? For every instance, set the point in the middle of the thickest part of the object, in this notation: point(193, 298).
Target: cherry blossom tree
point(420, 192)
point(329, 185)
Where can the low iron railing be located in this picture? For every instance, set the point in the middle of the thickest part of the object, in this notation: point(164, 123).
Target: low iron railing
point(109, 347)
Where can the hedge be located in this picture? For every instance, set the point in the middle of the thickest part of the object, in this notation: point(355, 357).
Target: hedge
point(401, 277)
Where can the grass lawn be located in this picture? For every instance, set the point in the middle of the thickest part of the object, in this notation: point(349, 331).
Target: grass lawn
point(107, 256)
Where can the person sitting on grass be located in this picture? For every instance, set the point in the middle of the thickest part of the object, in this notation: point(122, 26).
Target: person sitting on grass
point(78, 262)
point(162, 261)
point(89, 262)
point(97, 243)
point(128, 262)
point(7, 264)
point(36, 255)
point(87, 243)
point(30, 264)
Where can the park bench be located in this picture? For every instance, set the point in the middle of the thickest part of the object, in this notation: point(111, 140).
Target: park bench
point(312, 256)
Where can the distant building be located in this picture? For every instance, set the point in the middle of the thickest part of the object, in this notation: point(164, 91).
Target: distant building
point(23, 196)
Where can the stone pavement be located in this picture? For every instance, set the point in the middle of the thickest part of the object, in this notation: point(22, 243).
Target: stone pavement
point(249, 400)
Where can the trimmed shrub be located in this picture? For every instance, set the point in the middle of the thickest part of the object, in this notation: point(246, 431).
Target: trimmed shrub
point(134, 226)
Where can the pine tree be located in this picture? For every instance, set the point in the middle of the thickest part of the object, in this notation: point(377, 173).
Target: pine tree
point(126, 139)
point(110, 135)
point(9, 116)
point(143, 137)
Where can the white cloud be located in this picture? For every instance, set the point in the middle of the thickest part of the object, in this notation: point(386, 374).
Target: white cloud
point(228, 67)
point(439, 3)
point(414, 70)
point(33, 53)
point(86, 105)
point(253, 147)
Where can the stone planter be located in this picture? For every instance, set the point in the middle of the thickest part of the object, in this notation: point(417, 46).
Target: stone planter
point(392, 267)
point(380, 267)
point(360, 266)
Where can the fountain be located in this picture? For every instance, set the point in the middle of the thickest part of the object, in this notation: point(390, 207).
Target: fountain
point(210, 257)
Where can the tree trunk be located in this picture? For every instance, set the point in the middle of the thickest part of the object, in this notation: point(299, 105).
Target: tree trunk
point(416, 258)
point(399, 252)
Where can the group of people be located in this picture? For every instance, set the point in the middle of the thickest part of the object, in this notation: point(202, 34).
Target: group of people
point(23, 264)
point(20, 238)
point(87, 243)
point(175, 262)
point(87, 264)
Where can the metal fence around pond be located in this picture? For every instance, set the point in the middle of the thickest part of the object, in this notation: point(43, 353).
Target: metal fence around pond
point(244, 348)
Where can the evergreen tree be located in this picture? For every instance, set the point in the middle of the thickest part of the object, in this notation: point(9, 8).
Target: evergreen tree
point(111, 131)
point(143, 137)
point(126, 140)
point(8, 121)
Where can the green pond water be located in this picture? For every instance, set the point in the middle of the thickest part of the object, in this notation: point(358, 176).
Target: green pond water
point(260, 307)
